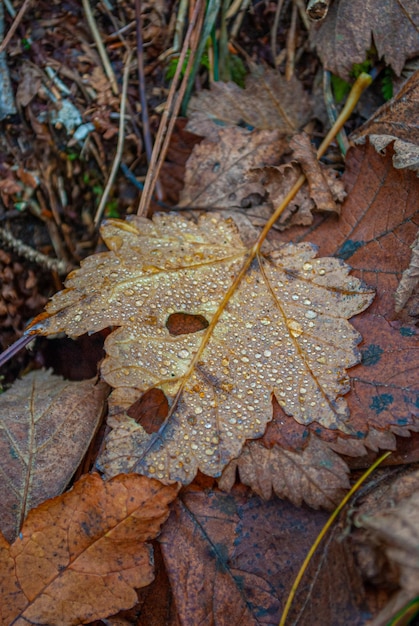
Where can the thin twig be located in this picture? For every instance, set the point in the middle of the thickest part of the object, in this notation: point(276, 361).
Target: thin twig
point(289, 67)
point(14, 26)
point(30, 254)
point(120, 144)
point(274, 31)
point(171, 103)
point(100, 47)
point(148, 144)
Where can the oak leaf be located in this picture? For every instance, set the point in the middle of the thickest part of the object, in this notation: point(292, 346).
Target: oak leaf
point(46, 426)
point(278, 328)
point(80, 556)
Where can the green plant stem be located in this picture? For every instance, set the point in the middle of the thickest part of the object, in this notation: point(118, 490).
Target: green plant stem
point(324, 531)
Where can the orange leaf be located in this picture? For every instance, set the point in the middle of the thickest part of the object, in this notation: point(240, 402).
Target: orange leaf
point(80, 556)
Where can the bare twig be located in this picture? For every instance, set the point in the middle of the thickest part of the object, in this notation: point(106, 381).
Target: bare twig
point(33, 255)
point(274, 31)
point(7, 103)
point(172, 107)
point(148, 144)
point(289, 67)
point(14, 26)
point(100, 47)
point(120, 144)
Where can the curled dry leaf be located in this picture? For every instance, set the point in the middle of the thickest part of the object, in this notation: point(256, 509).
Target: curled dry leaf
point(217, 173)
point(394, 530)
point(81, 556)
point(409, 280)
point(46, 426)
point(395, 122)
point(278, 328)
point(345, 35)
point(316, 476)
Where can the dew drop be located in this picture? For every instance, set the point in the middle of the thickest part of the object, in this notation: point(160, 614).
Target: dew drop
point(310, 314)
point(307, 267)
point(307, 301)
point(295, 296)
point(267, 353)
point(322, 272)
point(183, 354)
point(209, 452)
point(198, 410)
point(295, 328)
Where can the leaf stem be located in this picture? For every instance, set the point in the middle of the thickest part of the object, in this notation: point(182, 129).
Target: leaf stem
point(324, 531)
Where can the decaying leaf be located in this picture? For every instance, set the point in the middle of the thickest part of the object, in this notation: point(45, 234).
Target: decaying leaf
point(217, 173)
point(351, 26)
point(390, 529)
point(283, 329)
point(410, 278)
point(395, 122)
point(268, 102)
point(46, 426)
point(317, 475)
point(81, 555)
point(378, 224)
point(235, 555)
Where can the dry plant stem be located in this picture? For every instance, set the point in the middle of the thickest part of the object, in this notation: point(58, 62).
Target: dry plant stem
point(14, 26)
point(324, 531)
point(180, 21)
point(332, 113)
point(62, 267)
point(274, 31)
point(289, 68)
point(100, 47)
point(357, 89)
point(120, 144)
point(238, 21)
point(171, 103)
point(16, 347)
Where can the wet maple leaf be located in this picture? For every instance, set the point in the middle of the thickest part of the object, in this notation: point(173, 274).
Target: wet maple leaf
point(280, 327)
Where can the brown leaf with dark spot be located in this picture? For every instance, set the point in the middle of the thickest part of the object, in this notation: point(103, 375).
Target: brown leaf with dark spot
point(377, 227)
point(235, 555)
point(345, 35)
point(88, 549)
point(46, 427)
point(268, 102)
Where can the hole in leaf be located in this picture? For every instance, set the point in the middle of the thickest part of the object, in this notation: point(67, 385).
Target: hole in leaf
point(150, 410)
point(185, 323)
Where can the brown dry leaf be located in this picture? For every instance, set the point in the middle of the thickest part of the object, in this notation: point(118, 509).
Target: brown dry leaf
point(217, 174)
point(391, 531)
point(46, 426)
point(235, 556)
point(81, 556)
point(316, 476)
point(410, 279)
point(378, 224)
point(268, 102)
point(284, 330)
point(351, 26)
point(396, 122)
